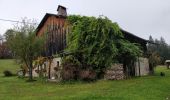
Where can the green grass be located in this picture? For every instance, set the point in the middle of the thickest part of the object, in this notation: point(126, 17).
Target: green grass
point(139, 88)
point(7, 64)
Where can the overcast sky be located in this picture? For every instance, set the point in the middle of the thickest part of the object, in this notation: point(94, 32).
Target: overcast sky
point(140, 17)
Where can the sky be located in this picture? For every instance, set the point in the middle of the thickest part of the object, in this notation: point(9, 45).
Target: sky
point(140, 17)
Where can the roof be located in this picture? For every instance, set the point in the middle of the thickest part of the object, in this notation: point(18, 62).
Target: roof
point(133, 36)
point(45, 18)
point(126, 33)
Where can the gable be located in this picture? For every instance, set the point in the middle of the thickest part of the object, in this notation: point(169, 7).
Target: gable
point(49, 20)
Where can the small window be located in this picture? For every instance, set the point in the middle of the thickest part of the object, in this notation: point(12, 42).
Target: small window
point(58, 63)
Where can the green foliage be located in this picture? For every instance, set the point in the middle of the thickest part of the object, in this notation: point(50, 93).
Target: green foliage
point(24, 43)
point(71, 60)
point(97, 42)
point(9, 34)
point(129, 51)
point(92, 40)
point(160, 47)
point(154, 59)
point(7, 73)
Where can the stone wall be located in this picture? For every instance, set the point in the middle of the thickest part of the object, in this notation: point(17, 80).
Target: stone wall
point(115, 72)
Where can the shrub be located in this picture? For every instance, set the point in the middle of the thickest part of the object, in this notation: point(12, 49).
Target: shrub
point(162, 74)
point(7, 73)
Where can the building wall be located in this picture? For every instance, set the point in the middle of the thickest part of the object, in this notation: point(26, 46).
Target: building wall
point(54, 29)
point(55, 69)
point(115, 72)
point(52, 20)
point(142, 66)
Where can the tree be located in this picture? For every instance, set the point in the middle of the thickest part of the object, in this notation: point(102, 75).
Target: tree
point(158, 51)
point(24, 43)
point(9, 34)
point(151, 45)
point(4, 51)
point(160, 47)
point(154, 60)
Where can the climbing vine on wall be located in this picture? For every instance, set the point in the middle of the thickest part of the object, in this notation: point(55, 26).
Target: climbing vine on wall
point(97, 42)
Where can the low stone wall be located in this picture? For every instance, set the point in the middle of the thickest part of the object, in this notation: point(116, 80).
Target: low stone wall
point(115, 72)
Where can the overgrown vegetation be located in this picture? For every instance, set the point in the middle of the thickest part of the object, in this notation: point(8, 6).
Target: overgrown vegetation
point(97, 43)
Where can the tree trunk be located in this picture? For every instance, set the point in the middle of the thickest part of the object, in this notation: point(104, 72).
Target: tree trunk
point(167, 66)
point(151, 69)
point(30, 71)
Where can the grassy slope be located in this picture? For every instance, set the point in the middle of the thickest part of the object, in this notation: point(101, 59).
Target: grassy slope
point(140, 88)
point(7, 64)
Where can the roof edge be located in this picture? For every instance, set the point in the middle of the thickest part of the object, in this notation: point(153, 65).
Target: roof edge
point(134, 35)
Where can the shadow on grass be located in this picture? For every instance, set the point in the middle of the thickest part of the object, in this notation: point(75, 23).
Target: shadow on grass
point(31, 80)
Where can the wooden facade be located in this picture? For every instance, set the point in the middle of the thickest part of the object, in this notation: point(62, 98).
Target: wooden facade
point(53, 27)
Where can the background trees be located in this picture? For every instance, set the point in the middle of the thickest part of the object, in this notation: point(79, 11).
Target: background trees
point(158, 52)
point(160, 47)
point(4, 50)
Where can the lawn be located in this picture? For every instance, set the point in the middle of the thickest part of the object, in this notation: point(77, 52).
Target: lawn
point(7, 64)
point(139, 88)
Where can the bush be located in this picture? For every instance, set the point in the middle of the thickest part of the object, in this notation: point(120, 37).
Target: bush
point(162, 74)
point(7, 73)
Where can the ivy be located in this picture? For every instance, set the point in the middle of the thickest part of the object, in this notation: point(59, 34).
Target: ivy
point(98, 42)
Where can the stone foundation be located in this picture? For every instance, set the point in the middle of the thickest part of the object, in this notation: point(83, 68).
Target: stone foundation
point(115, 72)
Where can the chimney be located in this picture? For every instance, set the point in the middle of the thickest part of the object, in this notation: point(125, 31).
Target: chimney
point(62, 11)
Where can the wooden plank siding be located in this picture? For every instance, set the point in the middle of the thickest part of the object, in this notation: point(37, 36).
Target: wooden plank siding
point(55, 32)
